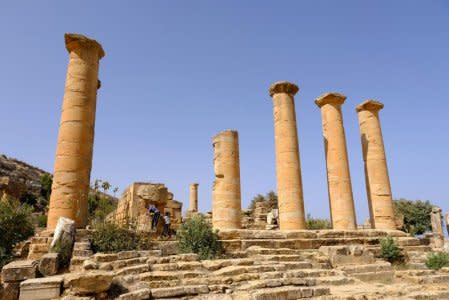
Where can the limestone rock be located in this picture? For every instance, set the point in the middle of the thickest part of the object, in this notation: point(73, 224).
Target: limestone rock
point(10, 291)
point(88, 282)
point(41, 288)
point(19, 270)
point(49, 264)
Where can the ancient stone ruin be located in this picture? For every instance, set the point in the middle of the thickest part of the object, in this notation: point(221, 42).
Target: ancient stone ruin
point(133, 206)
point(285, 262)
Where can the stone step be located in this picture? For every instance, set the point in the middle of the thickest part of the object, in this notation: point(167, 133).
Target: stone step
point(40, 240)
point(420, 248)
point(287, 293)
point(278, 257)
point(289, 265)
point(82, 246)
point(133, 270)
point(407, 241)
point(76, 263)
point(167, 275)
point(271, 283)
point(119, 264)
point(380, 276)
point(428, 279)
point(174, 258)
point(213, 265)
point(190, 265)
point(270, 251)
point(85, 253)
point(366, 268)
point(236, 270)
point(334, 280)
point(180, 291)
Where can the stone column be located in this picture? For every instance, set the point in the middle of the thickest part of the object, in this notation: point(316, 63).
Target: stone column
point(288, 168)
point(226, 203)
point(341, 201)
point(193, 201)
point(436, 219)
point(73, 160)
point(376, 171)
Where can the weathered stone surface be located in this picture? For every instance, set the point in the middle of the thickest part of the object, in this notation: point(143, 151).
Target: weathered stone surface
point(90, 265)
point(49, 264)
point(344, 255)
point(341, 201)
point(288, 168)
point(41, 288)
point(19, 270)
point(193, 197)
point(141, 294)
point(73, 162)
point(105, 257)
point(10, 291)
point(436, 219)
point(226, 198)
point(88, 282)
point(376, 171)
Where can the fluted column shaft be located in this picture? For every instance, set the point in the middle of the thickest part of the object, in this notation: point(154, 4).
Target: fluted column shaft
point(376, 171)
point(73, 161)
point(193, 199)
point(226, 200)
point(288, 168)
point(341, 200)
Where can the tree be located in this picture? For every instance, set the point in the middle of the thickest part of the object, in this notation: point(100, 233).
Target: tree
point(416, 215)
point(271, 198)
point(316, 223)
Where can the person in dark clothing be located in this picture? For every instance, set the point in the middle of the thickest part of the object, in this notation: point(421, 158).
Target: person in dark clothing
point(167, 222)
point(156, 214)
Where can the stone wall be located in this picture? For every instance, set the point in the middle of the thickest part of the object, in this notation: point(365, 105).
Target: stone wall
point(133, 205)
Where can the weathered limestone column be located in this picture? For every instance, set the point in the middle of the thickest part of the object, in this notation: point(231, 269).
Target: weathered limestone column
point(193, 200)
point(288, 168)
point(341, 201)
point(226, 202)
point(376, 171)
point(73, 160)
point(436, 219)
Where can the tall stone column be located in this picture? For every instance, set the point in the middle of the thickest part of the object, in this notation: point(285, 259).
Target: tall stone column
point(73, 160)
point(226, 202)
point(376, 172)
point(341, 201)
point(288, 168)
point(193, 200)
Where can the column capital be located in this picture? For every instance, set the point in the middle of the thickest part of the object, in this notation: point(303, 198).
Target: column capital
point(283, 87)
point(194, 184)
point(330, 98)
point(370, 105)
point(74, 41)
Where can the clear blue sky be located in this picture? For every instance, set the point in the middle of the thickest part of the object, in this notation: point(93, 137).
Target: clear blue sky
point(177, 72)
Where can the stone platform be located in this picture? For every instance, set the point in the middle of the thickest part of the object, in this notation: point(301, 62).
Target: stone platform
point(240, 240)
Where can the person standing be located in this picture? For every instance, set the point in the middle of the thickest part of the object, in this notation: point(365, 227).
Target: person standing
point(156, 214)
point(167, 222)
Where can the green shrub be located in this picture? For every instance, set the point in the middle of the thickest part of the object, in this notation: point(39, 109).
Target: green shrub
point(41, 220)
point(16, 225)
point(109, 237)
point(197, 236)
point(316, 223)
point(437, 260)
point(64, 248)
point(416, 215)
point(389, 251)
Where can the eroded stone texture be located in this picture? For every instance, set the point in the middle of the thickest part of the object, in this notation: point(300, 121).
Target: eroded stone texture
point(341, 201)
point(193, 199)
point(135, 200)
point(436, 220)
point(288, 168)
point(376, 170)
point(226, 201)
point(73, 160)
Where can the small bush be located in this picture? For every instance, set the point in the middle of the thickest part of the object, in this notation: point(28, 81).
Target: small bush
point(197, 236)
point(389, 251)
point(41, 220)
point(317, 224)
point(16, 225)
point(109, 237)
point(437, 260)
point(64, 248)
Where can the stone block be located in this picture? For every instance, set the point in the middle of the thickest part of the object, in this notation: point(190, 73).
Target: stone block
point(41, 288)
point(19, 270)
point(88, 282)
point(141, 294)
point(49, 264)
point(104, 257)
point(347, 255)
point(10, 291)
point(127, 255)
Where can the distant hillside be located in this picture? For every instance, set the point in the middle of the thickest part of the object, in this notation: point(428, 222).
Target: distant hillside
point(22, 181)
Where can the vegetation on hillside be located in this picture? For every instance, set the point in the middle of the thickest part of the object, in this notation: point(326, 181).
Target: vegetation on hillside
point(416, 215)
point(197, 236)
point(100, 204)
point(389, 251)
point(15, 226)
point(271, 198)
point(317, 223)
point(437, 260)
